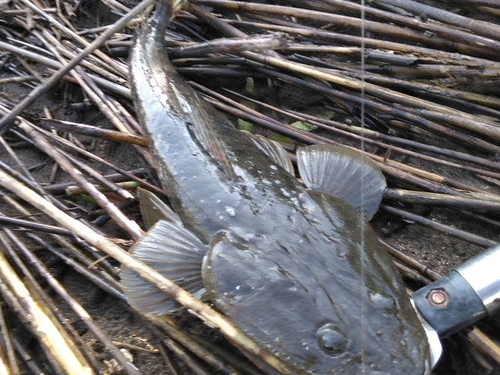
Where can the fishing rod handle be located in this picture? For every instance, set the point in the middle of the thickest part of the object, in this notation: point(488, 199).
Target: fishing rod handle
point(483, 274)
point(469, 293)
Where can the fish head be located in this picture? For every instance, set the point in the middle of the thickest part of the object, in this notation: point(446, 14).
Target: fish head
point(320, 304)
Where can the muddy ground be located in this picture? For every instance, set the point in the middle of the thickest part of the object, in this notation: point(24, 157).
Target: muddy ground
point(439, 251)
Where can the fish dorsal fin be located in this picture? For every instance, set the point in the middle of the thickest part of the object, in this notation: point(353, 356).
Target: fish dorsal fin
point(273, 150)
point(345, 173)
point(175, 253)
point(153, 209)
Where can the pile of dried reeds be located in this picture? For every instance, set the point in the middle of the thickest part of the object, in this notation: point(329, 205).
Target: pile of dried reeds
point(412, 84)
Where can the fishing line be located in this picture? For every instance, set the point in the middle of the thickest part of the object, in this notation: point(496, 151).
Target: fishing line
point(364, 317)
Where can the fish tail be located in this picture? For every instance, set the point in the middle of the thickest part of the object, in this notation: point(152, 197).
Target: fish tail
point(165, 12)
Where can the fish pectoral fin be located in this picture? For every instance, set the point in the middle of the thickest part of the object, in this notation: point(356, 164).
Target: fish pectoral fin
point(344, 173)
point(174, 252)
point(153, 209)
point(273, 150)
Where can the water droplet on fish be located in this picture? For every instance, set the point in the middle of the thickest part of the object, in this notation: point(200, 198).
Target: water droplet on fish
point(382, 301)
point(306, 203)
point(266, 182)
point(249, 237)
point(230, 211)
point(374, 366)
point(342, 251)
point(274, 168)
point(285, 192)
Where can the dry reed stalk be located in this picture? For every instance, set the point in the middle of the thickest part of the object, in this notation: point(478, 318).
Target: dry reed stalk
point(484, 344)
point(446, 229)
point(7, 119)
point(11, 244)
point(420, 54)
point(9, 364)
point(96, 271)
point(66, 144)
point(78, 309)
point(130, 226)
point(194, 305)
point(42, 325)
point(93, 131)
point(120, 69)
point(399, 75)
point(194, 365)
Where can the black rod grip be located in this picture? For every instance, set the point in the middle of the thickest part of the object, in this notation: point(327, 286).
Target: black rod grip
point(449, 304)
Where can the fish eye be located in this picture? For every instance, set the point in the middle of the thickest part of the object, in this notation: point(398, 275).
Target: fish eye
point(331, 340)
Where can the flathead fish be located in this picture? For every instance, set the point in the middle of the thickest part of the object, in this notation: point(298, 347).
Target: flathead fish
point(296, 268)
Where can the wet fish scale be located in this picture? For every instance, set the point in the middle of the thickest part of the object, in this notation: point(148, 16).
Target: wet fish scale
point(296, 269)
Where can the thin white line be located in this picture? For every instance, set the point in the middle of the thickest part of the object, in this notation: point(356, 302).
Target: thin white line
point(364, 317)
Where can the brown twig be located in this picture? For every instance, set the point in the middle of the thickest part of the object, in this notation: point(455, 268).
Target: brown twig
point(7, 119)
point(77, 308)
point(445, 229)
point(165, 285)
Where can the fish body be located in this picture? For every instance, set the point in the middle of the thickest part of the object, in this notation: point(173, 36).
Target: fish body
point(296, 269)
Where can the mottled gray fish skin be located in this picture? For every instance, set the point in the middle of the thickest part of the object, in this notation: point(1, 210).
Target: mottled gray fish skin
point(295, 269)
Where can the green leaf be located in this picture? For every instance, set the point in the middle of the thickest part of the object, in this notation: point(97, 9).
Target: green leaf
point(281, 138)
point(302, 125)
point(245, 125)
